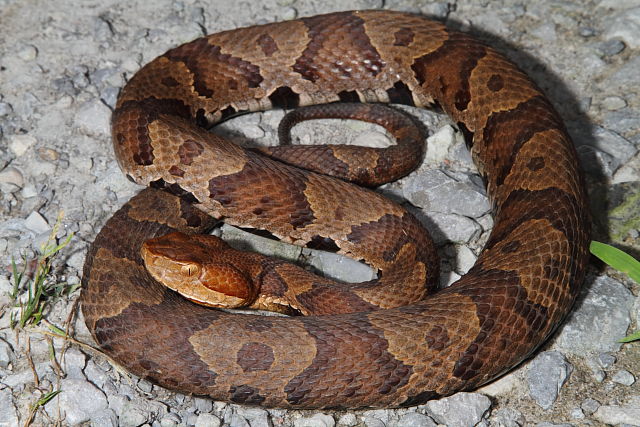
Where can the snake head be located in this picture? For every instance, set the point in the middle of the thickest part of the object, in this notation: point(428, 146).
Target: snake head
point(203, 269)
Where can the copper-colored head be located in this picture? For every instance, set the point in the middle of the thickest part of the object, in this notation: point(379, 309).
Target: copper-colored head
point(196, 267)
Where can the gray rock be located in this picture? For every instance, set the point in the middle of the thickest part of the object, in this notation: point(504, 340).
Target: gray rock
point(545, 32)
point(337, 266)
point(547, 374)
point(508, 417)
point(614, 415)
point(381, 414)
point(453, 228)
point(257, 417)
point(12, 176)
point(589, 406)
point(347, 420)
point(134, 415)
point(207, 420)
point(439, 144)
point(625, 25)
point(611, 47)
point(599, 320)
point(105, 418)
point(94, 117)
point(317, 420)
point(20, 143)
point(26, 376)
point(96, 374)
point(238, 421)
point(145, 386)
point(203, 405)
point(79, 401)
point(373, 422)
point(7, 356)
point(613, 103)
point(171, 419)
point(8, 412)
point(606, 360)
point(599, 375)
point(460, 409)
point(623, 121)
point(577, 414)
point(613, 144)
point(36, 223)
point(623, 377)
point(74, 363)
point(548, 424)
point(434, 191)
point(414, 419)
point(626, 75)
point(597, 162)
point(628, 172)
point(5, 109)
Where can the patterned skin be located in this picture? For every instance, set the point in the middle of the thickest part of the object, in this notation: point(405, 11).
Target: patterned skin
point(522, 286)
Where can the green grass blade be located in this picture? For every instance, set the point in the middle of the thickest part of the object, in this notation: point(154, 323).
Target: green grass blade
point(617, 259)
point(47, 397)
point(633, 337)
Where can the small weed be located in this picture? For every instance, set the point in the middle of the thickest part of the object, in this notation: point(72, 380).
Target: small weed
point(39, 403)
point(621, 261)
point(40, 288)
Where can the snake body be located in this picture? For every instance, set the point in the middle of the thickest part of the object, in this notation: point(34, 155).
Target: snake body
point(520, 289)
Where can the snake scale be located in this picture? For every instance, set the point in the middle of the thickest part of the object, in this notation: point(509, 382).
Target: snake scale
point(520, 289)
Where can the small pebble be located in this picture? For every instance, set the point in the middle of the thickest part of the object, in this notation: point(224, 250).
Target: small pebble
point(6, 354)
point(289, 13)
point(599, 375)
point(589, 405)
point(12, 176)
point(20, 144)
point(36, 223)
point(414, 419)
point(347, 420)
point(74, 363)
point(170, 420)
point(373, 422)
point(613, 103)
point(94, 117)
point(611, 47)
point(317, 420)
point(460, 409)
point(5, 109)
point(202, 405)
point(238, 421)
point(509, 417)
point(606, 360)
point(29, 191)
point(547, 374)
point(586, 32)
point(617, 415)
point(78, 402)
point(8, 412)
point(145, 386)
point(207, 420)
point(623, 377)
point(48, 154)
point(577, 414)
point(28, 53)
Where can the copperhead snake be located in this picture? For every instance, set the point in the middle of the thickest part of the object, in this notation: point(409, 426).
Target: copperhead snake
point(520, 289)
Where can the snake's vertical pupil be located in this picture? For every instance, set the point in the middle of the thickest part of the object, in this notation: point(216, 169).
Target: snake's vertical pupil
point(189, 270)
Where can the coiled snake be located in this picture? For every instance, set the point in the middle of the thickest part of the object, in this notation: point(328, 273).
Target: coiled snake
point(520, 289)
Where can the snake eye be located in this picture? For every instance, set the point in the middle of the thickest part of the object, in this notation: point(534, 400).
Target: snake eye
point(190, 269)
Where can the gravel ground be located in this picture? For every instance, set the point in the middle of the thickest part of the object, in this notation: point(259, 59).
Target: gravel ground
point(61, 66)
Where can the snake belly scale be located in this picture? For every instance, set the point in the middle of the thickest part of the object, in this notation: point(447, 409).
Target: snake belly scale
point(520, 289)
